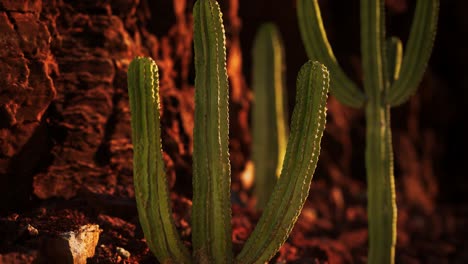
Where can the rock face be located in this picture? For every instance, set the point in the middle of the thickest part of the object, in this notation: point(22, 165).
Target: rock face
point(26, 91)
point(92, 53)
point(64, 119)
point(64, 115)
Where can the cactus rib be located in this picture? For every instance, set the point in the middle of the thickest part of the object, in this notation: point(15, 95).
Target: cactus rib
point(291, 190)
point(211, 180)
point(151, 188)
point(269, 111)
point(318, 48)
point(417, 52)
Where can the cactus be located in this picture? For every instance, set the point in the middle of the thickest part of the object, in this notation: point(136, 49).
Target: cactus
point(300, 161)
point(389, 80)
point(270, 130)
point(211, 216)
point(151, 188)
point(211, 237)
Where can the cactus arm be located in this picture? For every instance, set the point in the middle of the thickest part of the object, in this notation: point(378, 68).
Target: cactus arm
point(394, 57)
point(211, 218)
point(318, 48)
point(417, 52)
point(151, 188)
point(291, 190)
point(269, 114)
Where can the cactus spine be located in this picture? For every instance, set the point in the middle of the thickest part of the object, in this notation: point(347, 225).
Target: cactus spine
point(269, 111)
point(211, 237)
point(389, 80)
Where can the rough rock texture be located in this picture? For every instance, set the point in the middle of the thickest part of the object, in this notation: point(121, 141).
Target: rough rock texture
point(26, 90)
point(64, 117)
point(92, 48)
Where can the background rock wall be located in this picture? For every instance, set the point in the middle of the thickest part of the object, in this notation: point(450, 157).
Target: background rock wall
point(64, 117)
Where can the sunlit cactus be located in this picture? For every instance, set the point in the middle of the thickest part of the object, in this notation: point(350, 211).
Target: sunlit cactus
point(389, 80)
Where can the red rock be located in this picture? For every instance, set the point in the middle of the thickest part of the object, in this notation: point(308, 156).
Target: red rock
point(34, 37)
point(9, 40)
point(33, 6)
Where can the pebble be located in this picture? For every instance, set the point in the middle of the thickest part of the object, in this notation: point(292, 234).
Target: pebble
point(72, 247)
point(32, 231)
point(123, 252)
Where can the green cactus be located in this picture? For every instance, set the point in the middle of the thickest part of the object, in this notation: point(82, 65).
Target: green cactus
point(300, 161)
point(151, 188)
point(269, 126)
point(389, 80)
point(211, 237)
point(211, 217)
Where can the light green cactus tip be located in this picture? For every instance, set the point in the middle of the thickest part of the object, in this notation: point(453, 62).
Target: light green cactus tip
point(269, 125)
point(389, 80)
point(211, 214)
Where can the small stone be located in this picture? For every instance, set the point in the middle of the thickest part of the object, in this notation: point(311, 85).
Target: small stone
point(13, 217)
point(27, 231)
point(72, 247)
point(32, 231)
point(123, 252)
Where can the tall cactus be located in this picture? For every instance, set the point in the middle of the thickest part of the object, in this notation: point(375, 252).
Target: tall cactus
point(269, 124)
point(211, 216)
point(389, 80)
